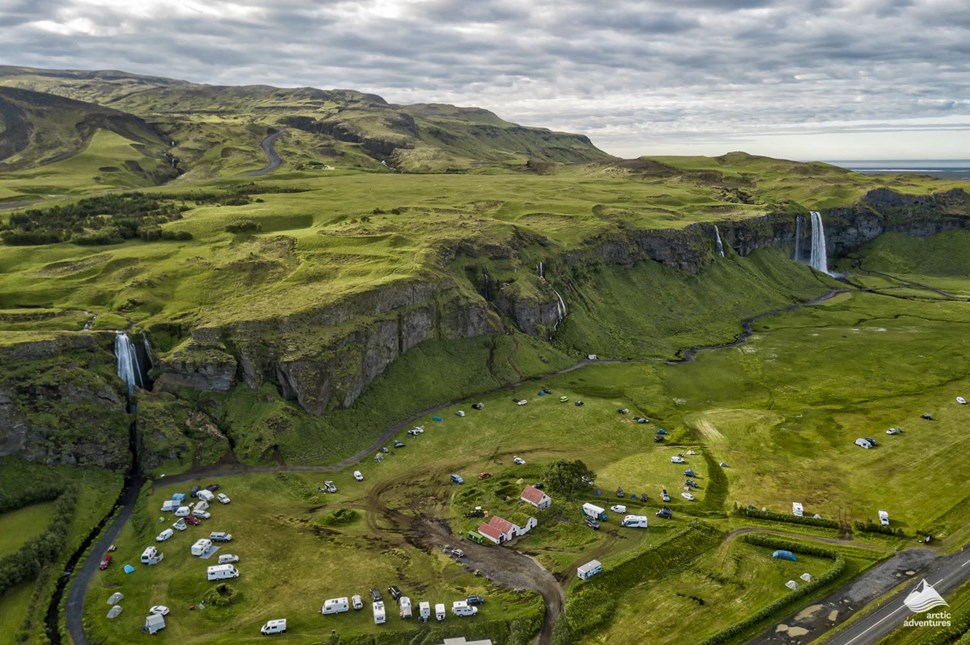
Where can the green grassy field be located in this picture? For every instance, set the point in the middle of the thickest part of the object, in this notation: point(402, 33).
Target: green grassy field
point(16, 527)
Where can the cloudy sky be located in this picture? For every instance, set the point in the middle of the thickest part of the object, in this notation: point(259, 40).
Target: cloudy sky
point(802, 79)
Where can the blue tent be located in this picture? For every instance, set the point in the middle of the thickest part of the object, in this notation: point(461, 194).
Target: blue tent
point(784, 555)
point(129, 568)
point(178, 497)
point(437, 419)
point(661, 431)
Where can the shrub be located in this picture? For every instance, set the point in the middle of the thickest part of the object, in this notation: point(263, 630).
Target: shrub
point(340, 517)
point(785, 517)
point(244, 226)
point(222, 595)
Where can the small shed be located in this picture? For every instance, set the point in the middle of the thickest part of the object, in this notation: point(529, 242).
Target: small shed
point(532, 495)
point(588, 570)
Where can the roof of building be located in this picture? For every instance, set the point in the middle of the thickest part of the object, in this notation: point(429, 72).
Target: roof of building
point(532, 494)
point(490, 531)
point(501, 524)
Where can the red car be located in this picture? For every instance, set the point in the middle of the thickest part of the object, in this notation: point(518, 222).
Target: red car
point(192, 519)
point(105, 561)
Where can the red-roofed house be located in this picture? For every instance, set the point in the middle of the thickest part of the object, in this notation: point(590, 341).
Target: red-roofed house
point(505, 527)
point(536, 497)
point(491, 533)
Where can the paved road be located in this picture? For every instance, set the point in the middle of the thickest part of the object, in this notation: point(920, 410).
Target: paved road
point(273, 160)
point(944, 573)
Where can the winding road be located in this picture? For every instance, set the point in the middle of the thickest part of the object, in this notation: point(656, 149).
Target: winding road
point(524, 571)
point(273, 160)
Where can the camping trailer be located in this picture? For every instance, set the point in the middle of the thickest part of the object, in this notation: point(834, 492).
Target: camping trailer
point(200, 505)
point(379, 615)
point(589, 570)
point(635, 521)
point(151, 555)
point(183, 511)
point(424, 611)
point(205, 495)
point(154, 623)
point(439, 611)
point(884, 518)
point(594, 511)
point(222, 572)
point(462, 608)
point(201, 547)
point(405, 603)
point(169, 506)
point(797, 509)
point(335, 606)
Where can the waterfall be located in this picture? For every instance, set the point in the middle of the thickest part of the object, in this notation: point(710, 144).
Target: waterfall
point(798, 237)
point(148, 351)
point(717, 238)
point(127, 359)
point(488, 285)
point(560, 306)
point(818, 260)
point(539, 271)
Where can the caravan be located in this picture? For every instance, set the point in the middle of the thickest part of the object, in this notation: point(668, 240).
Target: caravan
point(424, 611)
point(201, 547)
point(439, 611)
point(335, 606)
point(169, 506)
point(151, 555)
point(379, 615)
point(154, 623)
point(405, 603)
point(797, 509)
point(589, 570)
point(635, 521)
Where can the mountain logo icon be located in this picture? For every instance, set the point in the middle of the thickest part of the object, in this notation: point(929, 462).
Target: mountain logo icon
point(923, 598)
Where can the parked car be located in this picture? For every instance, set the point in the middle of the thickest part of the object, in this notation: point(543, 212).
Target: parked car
point(622, 411)
point(195, 489)
point(677, 459)
point(564, 399)
point(359, 476)
point(894, 431)
point(398, 444)
point(356, 602)
point(219, 536)
point(690, 483)
point(228, 558)
point(460, 413)
point(688, 497)
point(191, 519)
point(618, 508)
point(416, 430)
point(475, 600)
point(593, 524)
point(485, 475)
point(458, 553)
point(478, 406)
point(690, 473)
point(159, 610)
point(643, 420)
point(665, 513)
point(394, 591)
point(202, 515)
point(521, 401)
point(518, 460)
point(539, 485)
point(375, 593)
point(213, 487)
point(457, 479)
point(664, 495)
point(223, 498)
point(105, 561)
point(579, 404)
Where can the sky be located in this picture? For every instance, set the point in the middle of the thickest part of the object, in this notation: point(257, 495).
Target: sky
point(797, 79)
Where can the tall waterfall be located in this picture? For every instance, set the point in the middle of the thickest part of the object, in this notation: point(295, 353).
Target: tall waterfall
point(818, 260)
point(539, 271)
point(129, 370)
point(560, 309)
point(798, 238)
point(148, 351)
point(717, 239)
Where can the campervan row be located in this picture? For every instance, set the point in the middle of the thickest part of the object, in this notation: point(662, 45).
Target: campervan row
point(439, 611)
point(380, 616)
point(405, 603)
point(594, 511)
point(151, 555)
point(335, 606)
point(222, 572)
point(635, 521)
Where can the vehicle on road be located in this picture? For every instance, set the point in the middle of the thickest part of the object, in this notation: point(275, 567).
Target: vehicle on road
point(105, 561)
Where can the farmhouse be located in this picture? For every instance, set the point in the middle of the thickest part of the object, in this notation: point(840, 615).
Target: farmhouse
point(491, 533)
point(534, 496)
point(500, 530)
point(523, 523)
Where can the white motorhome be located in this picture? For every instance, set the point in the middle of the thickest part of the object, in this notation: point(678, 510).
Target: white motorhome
point(183, 511)
point(164, 535)
point(405, 603)
point(884, 518)
point(589, 570)
point(594, 511)
point(205, 495)
point(169, 506)
point(635, 521)
point(201, 547)
point(380, 616)
point(424, 610)
point(335, 606)
point(222, 572)
point(439, 611)
point(277, 626)
point(151, 555)
point(154, 623)
point(797, 509)
point(462, 608)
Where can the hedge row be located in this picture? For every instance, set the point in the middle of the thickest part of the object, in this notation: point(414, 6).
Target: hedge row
point(871, 527)
point(785, 517)
point(771, 609)
point(593, 604)
point(30, 559)
point(28, 496)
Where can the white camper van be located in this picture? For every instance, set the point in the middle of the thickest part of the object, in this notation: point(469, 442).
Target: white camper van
point(439, 611)
point(151, 555)
point(594, 511)
point(635, 521)
point(335, 606)
point(153, 624)
point(164, 535)
point(405, 603)
point(277, 626)
point(201, 547)
point(222, 572)
point(379, 615)
point(169, 506)
point(462, 608)
point(884, 518)
point(206, 496)
point(183, 511)
point(424, 611)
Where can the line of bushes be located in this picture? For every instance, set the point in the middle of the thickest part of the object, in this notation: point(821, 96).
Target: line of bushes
point(593, 604)
point(871, 527)
point(30, 559)
point(771, 542)
point(28, 496)
point(785, 517)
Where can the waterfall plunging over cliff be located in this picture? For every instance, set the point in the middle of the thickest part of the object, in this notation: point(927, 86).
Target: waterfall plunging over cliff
point(818, 260)
point(717, 239)
point(129, 368)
